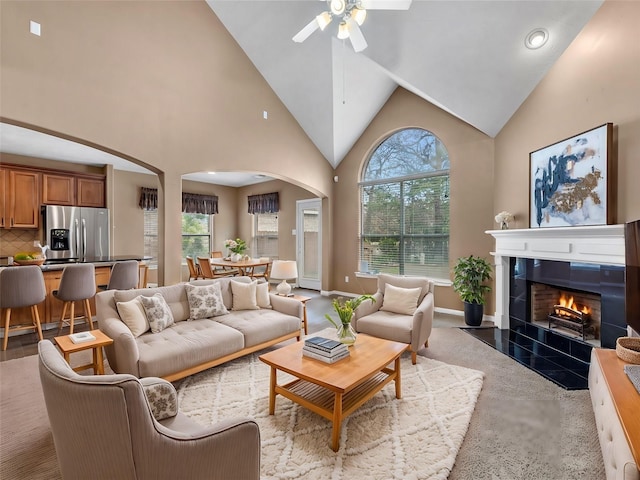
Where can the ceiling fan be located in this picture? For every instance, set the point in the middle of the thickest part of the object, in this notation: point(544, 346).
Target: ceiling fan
point(351, 14)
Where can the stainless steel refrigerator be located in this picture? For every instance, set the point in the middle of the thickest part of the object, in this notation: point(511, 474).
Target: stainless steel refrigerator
point(76, 232)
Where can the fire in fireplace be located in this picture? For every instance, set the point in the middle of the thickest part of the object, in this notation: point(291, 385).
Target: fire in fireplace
point(571, 313)
point(568, 314)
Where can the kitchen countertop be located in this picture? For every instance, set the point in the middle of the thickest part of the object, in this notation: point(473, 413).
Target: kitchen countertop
point(98, 261)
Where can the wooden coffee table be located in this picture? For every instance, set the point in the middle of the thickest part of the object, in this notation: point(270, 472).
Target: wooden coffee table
point(335, 390)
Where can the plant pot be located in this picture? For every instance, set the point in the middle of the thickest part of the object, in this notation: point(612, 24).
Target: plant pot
point(473, 314)
point(236, 257)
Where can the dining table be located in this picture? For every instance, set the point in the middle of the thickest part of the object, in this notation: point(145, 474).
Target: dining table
point(242, 265)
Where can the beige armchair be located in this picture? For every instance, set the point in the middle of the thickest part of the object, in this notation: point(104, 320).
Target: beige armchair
point(405, 315)
point(116, 426)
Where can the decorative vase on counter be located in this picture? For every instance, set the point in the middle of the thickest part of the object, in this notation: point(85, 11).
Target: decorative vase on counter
point(346, 334)
point(236, 257)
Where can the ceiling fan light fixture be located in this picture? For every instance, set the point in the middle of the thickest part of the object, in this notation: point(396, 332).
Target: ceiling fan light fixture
point(359, 15)
point(323, 20)
point(337, 6)
point(343, 31)
point(536, 38)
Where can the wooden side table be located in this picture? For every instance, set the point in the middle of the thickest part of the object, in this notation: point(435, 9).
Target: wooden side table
point(303, 299)
point(67, 347)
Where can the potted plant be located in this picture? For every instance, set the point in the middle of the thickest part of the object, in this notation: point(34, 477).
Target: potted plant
point(236, 247)
point(469, 277)
point(345, 309)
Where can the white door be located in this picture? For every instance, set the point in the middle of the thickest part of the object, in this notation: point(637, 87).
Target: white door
point(309, 243)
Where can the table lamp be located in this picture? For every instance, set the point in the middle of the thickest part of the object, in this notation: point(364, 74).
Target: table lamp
point(284, 270)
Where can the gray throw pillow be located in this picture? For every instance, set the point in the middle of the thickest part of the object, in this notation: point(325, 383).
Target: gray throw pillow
point(158, 312)
point(205, 301)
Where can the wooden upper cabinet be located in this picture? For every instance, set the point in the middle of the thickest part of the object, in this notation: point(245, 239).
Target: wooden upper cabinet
point(22, 199)
point(90, 192)
point(58, 189)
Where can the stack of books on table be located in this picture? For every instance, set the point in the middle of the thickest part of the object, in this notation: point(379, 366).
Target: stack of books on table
point(324, 349)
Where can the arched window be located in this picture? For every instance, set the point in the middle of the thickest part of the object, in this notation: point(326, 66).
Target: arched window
point(404, 200)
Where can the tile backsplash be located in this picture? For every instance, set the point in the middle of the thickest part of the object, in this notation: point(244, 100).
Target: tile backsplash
point(16, 240)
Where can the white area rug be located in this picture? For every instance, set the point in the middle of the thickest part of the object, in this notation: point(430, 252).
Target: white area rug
point(416, 437)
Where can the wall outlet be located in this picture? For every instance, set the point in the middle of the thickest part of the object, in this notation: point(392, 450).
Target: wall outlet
point(346, 279)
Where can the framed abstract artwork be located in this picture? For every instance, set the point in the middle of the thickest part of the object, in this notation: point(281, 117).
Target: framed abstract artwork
point(571, 182)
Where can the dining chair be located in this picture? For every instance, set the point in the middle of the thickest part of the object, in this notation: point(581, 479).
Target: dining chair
point(208, 272)
point(223, 270)
point(194, 270)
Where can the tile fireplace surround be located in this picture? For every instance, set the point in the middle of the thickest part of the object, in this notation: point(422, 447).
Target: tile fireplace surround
point(593, 256)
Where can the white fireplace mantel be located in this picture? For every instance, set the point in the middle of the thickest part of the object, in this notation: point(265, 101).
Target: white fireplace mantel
point(601, 244)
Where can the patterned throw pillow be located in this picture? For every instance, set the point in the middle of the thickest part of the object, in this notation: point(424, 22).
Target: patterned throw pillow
point(162, 398)
point(158, 312)
point(205, 301)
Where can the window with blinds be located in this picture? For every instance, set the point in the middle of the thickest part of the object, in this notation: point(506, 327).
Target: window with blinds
point(404, 194)
point(265, 238)
point(196, 235)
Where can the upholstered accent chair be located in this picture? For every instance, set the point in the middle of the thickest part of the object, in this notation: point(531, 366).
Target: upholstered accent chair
point(118, 426)
point(402, 311)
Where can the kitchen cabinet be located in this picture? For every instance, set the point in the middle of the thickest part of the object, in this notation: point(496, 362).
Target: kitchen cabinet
point(58, 189)
point(21, 198)
point(90, 191)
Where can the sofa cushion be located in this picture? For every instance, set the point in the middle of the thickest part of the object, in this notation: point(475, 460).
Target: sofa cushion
point(387, 325)
point(259, 326)
point(244, 296)
point(158, 312)
point(205, 301)
point(175, 295)
point(133, 315)
point(185, 345)
point(400, 300)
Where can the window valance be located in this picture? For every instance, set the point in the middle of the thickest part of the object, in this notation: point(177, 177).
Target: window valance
point(148, 198)
point(265, 203)
point(196, 203)
point(191, 202)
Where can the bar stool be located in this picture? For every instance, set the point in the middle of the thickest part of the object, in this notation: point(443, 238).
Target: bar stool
point(21, 287)
point(124, 275)
point(78, 283)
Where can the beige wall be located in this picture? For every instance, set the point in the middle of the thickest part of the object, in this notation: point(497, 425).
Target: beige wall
point(597, 80)
point(161, 83)
point(191, 101)
point(471, 158)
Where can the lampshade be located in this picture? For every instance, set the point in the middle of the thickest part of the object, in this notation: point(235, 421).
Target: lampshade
point(343, 31)
point(359, 14)
point(284, 270)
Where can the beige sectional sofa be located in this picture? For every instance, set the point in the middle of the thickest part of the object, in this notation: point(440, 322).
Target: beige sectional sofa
point(189, 346)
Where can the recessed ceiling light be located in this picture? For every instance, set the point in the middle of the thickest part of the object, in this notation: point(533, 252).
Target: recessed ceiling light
point(536, 38)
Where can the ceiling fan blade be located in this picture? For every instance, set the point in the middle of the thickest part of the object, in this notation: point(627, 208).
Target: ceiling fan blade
point(303, 34)
point(355, 35)
point(386, 4)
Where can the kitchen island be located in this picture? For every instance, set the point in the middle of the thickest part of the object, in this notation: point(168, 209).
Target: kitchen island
point(50, 309)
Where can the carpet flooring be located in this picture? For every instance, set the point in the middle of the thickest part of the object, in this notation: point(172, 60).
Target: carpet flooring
point(523, 426)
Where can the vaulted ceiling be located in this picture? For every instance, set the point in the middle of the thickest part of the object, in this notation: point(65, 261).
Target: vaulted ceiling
point(467, 57)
